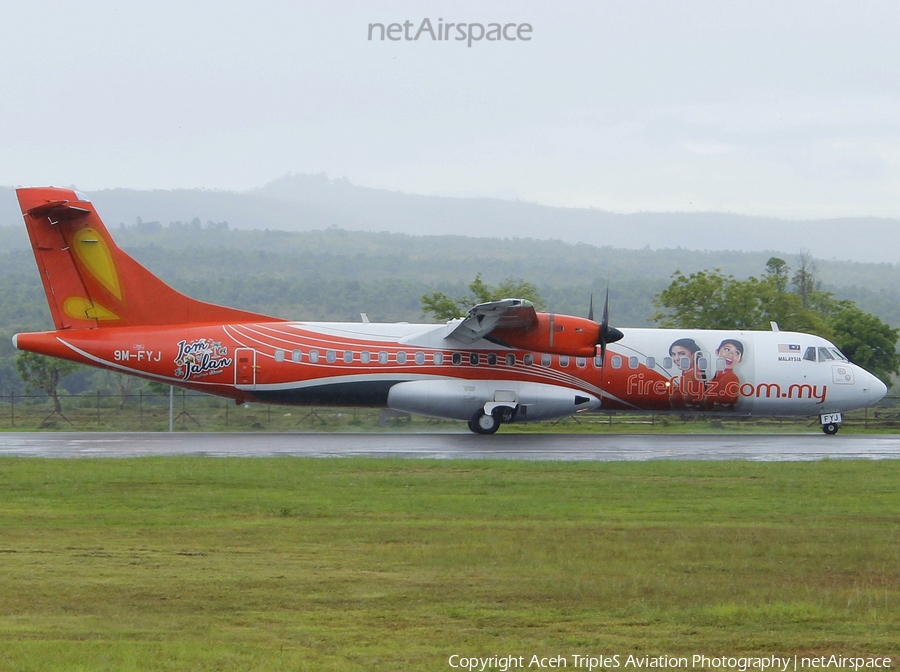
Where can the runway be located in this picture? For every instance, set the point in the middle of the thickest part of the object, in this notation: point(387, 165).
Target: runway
point(567, 447)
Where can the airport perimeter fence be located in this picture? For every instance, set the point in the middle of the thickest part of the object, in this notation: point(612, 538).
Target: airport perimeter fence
point(148, 412)
point(195, 412)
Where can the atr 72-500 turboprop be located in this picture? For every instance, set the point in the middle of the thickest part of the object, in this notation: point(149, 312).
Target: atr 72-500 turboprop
point(504, 362)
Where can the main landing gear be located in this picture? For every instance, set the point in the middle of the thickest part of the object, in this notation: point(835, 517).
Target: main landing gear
point(489, 423)
point(831, 428)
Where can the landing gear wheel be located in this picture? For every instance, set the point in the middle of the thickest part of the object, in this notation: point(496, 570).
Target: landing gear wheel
point(483, 423)
point(831, 428)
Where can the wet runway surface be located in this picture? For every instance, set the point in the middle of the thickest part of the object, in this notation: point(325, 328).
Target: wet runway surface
point(605, 447)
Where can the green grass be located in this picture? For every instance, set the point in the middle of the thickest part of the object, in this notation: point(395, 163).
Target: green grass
point(296, 564)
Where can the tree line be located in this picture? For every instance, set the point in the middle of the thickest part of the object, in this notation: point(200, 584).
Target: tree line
point(794, 301)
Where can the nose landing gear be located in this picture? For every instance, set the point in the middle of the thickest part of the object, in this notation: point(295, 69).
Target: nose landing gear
point(831, 422)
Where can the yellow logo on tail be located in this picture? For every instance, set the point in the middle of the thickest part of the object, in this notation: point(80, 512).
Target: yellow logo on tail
point(85, 309)
point(94, 253)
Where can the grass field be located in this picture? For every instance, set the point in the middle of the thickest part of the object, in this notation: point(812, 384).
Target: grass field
point(346, 564)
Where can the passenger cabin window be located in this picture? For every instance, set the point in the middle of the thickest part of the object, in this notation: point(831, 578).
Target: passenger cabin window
point(720, 363)
point(703, 363)
point(348, 356)
point(473, 359)
point(651, 362)
point(684, 363)
point(296, 356)
point(279, 355)
point(667, 362)
point(420, 358)
point(810, 354)
point(616, 362)
point(510, 360)
point(457, 358)
point(365, 357)
point(330, 356)
point(314, 356)
point(382, 357)
point(401, 358)
point(580, 362)
point(545, 360)
point(632, 362)
point(492, 359)
point(528, 360)
point(438, 358)
point(563, 360)
point(598, 362)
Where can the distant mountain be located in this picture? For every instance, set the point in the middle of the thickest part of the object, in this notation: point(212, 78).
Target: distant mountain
point(306, 202)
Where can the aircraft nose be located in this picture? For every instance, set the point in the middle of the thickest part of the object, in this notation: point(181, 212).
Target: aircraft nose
point(877, 389)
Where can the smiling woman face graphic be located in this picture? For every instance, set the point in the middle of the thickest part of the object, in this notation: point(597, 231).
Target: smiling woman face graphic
point(731, 351)
point(684, 349)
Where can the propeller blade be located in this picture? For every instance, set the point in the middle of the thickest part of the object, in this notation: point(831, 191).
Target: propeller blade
point(608, 334)
point(591, 309)
point(604, 322)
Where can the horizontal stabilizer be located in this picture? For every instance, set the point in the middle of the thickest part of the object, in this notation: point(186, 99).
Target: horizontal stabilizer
point(59, 209)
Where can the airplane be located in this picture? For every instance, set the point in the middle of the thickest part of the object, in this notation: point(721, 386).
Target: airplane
point(503, 362)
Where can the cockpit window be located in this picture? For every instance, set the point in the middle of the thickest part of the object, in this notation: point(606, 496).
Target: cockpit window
point(810, 354)
point(825, 355)
point(838, 354)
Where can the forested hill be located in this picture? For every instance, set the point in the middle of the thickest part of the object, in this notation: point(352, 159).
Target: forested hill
point(309, 202)
point(334, 274)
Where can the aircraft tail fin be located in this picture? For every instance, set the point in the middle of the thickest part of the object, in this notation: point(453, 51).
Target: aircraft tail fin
point(90, 282)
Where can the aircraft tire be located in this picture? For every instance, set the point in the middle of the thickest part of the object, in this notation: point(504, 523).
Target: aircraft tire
point(831, 428)
point(483, 423)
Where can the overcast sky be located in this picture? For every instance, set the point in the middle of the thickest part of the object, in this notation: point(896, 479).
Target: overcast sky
point(789, 109)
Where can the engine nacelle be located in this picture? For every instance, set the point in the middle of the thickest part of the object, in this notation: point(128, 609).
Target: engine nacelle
point(459, 399)
point(558, 334)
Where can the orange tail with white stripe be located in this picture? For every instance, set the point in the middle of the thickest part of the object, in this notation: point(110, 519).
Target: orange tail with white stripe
point(90, 282)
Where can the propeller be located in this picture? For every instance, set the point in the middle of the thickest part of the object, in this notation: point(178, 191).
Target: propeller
point(608, 334)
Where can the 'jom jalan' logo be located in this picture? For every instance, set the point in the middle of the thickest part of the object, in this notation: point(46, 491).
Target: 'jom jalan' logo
point(203, 357)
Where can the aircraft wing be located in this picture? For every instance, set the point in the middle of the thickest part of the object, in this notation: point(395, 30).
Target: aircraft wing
point(485, 317)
